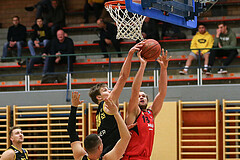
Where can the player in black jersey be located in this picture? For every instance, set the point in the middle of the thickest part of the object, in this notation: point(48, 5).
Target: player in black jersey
point(15, 151)
point(93, 143)
point(106, 124)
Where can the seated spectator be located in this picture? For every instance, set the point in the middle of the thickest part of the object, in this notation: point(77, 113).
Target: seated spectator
point(225, 39)
point(42, 6)
point(55, 18)
point(150, 29)
point(95, 5)
point(40, 60)
point(202, 39)
point(108, 32)
point(16, 38)
point(40, 36)
point(60, 45)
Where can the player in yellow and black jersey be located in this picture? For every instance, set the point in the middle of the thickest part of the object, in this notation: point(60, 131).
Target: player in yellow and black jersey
point(15, 151)
point(107, 127)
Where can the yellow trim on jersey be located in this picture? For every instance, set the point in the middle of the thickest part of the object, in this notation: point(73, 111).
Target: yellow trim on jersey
point(25, 153)
point(105, 111)
point(16, 148)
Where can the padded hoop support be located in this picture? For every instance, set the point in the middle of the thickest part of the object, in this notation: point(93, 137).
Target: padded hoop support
point(158, 14)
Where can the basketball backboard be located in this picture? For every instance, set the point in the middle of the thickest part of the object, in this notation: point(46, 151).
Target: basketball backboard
point(178, 12)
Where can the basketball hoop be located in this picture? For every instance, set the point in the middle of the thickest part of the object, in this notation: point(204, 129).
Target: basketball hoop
point(129, 25)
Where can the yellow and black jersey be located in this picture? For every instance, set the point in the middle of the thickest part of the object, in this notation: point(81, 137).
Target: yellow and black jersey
point(107, 128)
point(19, 155)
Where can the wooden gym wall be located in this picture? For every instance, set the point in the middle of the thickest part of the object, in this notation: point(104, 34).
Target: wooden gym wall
point(184, 130)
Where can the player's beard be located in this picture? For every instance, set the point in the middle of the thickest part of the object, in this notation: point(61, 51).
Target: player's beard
point(143, 106)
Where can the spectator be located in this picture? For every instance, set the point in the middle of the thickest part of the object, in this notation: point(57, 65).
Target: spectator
point(40, 60)
point(55, 19)
point(150, 29)
point(226, 40)
point(16, 38)
point(43, 6)
point(40, 37)
point(60, 45)
point(108, 32)
point(202, 39)
point(95, 5)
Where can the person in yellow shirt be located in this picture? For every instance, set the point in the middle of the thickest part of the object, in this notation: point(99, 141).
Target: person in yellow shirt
point(202, 39)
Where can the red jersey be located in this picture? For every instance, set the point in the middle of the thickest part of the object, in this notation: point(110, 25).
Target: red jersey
point(141, 143)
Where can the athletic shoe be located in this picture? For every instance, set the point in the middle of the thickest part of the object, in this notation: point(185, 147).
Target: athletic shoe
point(21, 62)
point(205, 70)
point(183, 72)
point(208, 72)
point(222, 71)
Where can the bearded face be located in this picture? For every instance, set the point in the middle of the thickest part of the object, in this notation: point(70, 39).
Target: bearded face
point(142, 100)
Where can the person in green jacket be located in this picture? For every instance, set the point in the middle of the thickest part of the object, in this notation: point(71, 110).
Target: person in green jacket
point(226, 40)
point(202, 39)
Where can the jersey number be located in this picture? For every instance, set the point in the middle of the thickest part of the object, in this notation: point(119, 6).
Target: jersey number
point(145, 119)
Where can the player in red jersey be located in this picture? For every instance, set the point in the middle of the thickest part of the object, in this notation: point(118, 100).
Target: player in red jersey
point(141, 143)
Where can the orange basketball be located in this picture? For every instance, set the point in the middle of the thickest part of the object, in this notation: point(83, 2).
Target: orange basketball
point(151, 49)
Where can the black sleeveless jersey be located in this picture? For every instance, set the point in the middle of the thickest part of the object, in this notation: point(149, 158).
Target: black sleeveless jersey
point(86, 158)
point(107, 128)
point(19, 155)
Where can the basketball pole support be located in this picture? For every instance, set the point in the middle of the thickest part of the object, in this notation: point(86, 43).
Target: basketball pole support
point(199, 69)
point(156, 77)
point(68, 78)
point(27, 78)
point(109, 73)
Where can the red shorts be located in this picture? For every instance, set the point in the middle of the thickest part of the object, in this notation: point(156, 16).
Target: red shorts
point(135, 158)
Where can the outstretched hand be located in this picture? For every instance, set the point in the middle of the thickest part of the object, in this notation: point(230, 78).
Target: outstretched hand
point(137, 47)
point(76, 99)
point(142, 60)
point(110, 106)
point(163, 60)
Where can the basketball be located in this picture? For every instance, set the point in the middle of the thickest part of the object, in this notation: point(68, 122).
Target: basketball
point(151, 49)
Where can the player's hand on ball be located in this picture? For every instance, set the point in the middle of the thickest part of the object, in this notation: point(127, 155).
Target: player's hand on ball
point(76, 99)
point(142, 60)
point(163, 60)
point(137, 47)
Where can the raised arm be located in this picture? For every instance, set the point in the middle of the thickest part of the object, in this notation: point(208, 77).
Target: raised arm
point(78, 151)
point(120, 147)
point(133, 110)
point(158, 101)
point(124, 74)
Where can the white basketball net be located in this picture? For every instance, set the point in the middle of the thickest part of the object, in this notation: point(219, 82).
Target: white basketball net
point(129, 25)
